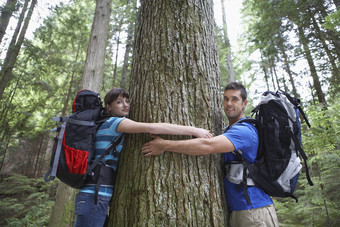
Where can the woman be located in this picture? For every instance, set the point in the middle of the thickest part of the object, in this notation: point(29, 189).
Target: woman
point(117, 105)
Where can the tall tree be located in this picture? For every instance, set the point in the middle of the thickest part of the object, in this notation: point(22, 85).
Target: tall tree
point(94, 64)
point(15, 45)
point(129, 42)
point(6, 13)
point(174, 78)
point(298, 16)
point(92, 79)
point(227, 45)
point(128, 49)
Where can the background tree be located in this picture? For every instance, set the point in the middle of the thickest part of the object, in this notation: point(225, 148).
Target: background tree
point(94, 64)
point(174, 79)
point(228, 58)
point(15, 45)
point(6, 13)
point(92, 79)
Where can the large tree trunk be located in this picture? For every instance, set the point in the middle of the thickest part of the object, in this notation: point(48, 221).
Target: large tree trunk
point(6, 14)
point(175, 78)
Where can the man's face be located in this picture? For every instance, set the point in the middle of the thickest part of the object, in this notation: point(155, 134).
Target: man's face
point(233, 104)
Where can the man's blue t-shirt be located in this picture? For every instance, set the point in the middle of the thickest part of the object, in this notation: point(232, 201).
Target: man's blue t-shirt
point(245, 138)
point(106, 133)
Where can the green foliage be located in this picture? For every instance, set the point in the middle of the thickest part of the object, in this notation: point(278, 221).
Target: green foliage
point(21, 185)
point(332, 21)
point(26, 201)
point(324, 135)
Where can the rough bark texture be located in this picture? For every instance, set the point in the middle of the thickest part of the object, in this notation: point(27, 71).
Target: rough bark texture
point(175, 78)
point(94, 64)
point(63, 210)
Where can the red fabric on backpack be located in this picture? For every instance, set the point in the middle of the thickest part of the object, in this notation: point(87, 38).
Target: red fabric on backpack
point(76, 160)
point(74, 109)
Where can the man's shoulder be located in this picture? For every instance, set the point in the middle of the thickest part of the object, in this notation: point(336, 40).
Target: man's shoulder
point(246, 126)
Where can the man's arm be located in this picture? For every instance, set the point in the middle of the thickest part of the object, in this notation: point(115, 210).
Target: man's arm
point(199, 146)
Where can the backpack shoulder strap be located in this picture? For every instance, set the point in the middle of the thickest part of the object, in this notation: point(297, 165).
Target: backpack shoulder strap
point(52, 172)
point(73, 121)
point(107, 150)
point(113, 145)
point(296, 102)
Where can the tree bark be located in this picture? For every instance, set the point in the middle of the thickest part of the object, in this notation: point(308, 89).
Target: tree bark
point(63, 210)
point(94, 64)
point(175, 78)
point(6, 14)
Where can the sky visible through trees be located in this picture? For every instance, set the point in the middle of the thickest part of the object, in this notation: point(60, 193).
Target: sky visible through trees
point(232, 11)
point(235, 31)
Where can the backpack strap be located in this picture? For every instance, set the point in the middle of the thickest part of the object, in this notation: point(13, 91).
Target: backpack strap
point(74, 121)
point(52, 172)
point(106, 152)
point(296, 103)
point(301, 151)
point(113, 145)
point(244, 184)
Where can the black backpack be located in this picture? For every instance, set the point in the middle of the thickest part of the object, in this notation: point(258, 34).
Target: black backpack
point(277, 168)
point(72, 159)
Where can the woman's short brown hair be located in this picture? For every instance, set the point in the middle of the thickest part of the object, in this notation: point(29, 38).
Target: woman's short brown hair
point(113, 94)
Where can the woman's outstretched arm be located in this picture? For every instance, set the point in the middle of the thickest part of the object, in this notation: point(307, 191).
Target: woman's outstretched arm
point(129, 126)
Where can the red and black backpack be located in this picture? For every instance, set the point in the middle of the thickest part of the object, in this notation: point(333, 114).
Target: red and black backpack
point(73, 154)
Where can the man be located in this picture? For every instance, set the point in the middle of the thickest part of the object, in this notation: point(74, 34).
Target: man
point(241, 136)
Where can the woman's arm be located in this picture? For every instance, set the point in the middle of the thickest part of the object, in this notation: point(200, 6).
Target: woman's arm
point(129, 126)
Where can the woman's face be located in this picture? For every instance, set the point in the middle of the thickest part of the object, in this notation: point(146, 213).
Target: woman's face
point(119, 107)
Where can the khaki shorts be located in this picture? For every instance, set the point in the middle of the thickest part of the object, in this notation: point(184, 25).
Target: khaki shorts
point(263, 216)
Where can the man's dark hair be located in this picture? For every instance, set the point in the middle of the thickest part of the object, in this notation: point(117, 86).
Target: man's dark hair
point(113, 94)
point(239, 87)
